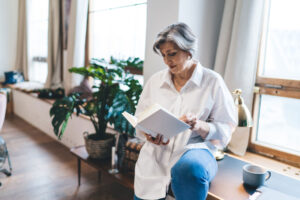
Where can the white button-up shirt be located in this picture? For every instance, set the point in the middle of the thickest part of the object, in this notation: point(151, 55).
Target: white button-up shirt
point(205, 95)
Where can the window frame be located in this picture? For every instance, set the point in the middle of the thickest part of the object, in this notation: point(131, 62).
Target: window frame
point(275, 87)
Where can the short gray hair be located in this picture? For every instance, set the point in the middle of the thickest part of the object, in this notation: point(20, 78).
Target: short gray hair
point(180, 34)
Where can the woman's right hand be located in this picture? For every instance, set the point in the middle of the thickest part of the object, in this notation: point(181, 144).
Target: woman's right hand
point(158, 140)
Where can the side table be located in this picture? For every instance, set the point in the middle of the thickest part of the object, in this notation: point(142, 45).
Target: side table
point(102, 166)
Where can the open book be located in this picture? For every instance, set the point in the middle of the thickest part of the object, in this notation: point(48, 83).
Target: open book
point(157, 120)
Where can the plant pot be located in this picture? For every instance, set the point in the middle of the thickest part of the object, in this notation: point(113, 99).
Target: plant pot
point(98, 149)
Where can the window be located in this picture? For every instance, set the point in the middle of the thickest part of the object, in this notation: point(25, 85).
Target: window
point(37, 28)
point(277, 104)
point(117, 28)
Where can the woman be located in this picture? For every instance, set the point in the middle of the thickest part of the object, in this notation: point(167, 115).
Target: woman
point(200, 98)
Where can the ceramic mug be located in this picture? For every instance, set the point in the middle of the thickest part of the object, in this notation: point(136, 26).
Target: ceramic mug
point(254, 175)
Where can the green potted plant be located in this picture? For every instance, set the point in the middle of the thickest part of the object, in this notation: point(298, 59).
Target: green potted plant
point(133, 65)
point(117, 91)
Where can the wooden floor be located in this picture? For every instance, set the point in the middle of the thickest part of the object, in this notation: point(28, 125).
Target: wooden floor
point(44, 169)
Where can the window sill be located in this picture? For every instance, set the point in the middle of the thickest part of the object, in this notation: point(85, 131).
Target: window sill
point(271, 164)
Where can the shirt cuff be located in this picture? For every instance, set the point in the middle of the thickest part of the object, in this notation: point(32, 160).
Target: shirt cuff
point(212, 131)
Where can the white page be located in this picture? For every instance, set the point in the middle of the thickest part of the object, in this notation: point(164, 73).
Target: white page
point(130, 118)
point(164, 123)
point(148, 111)
point(157, 120)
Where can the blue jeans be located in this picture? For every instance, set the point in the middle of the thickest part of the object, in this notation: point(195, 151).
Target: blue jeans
point(191, 175)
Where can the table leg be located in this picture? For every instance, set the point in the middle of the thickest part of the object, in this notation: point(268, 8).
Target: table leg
point(79, 170)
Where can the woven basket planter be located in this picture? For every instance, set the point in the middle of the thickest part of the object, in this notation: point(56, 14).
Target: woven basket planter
point(98, 149)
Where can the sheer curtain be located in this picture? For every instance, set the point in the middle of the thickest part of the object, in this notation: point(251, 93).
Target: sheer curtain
point(55, 45)
point(76, 42)
point(21, 63)
point(236, 57)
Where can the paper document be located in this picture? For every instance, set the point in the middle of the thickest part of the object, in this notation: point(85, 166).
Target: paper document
point(157, 120)
point(267, 193)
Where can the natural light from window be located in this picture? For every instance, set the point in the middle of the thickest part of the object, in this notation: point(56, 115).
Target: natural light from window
point(278, 113)
point(282, 58)
point(279, 122)
point(117, 28)
point(37, 39)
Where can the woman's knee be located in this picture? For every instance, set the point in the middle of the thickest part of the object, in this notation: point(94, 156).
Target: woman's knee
point(190, 170)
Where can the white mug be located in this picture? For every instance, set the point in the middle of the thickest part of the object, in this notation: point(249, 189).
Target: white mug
point(254, 175)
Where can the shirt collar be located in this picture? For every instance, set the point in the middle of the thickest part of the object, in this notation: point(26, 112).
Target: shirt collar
point(197, 75)
point(195, 78)
point(167, 80)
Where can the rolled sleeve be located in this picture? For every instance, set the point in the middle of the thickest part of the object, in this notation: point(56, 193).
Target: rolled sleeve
point(221, 132)
point(223, 117)
point(212, 132)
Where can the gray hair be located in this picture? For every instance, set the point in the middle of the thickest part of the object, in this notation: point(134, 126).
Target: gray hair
point(180, 34)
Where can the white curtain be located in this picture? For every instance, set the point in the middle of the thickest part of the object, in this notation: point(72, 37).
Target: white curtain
point(76, 42)
point(21, 63)
point(237, 53)
point(55, 45)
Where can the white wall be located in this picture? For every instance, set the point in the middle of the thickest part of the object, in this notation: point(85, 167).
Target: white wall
point(160, 13)
point(8, 35)
point(203, 16)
